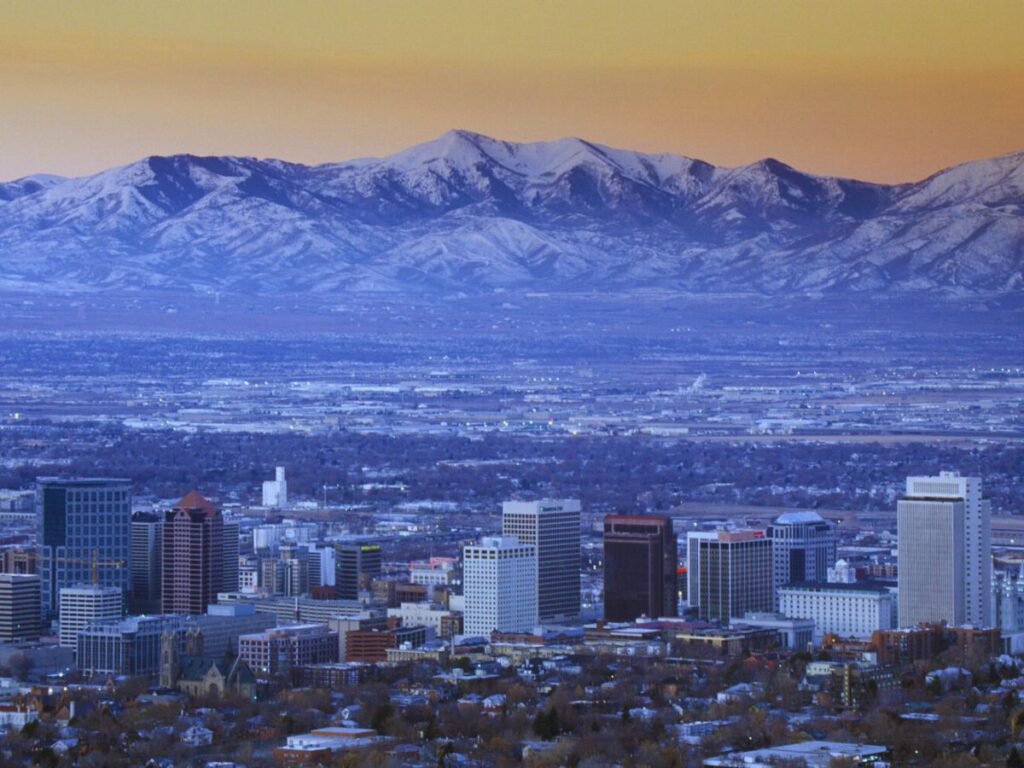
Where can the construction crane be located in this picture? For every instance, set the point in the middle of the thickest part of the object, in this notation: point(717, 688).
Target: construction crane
point(94, 562)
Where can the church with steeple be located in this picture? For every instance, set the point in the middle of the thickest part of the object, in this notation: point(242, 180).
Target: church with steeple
point(198, 675)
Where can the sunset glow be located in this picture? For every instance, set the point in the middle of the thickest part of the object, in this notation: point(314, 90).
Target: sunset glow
point(877, 90)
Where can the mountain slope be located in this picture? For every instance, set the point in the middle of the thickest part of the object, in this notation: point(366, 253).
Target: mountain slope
point(469, 213)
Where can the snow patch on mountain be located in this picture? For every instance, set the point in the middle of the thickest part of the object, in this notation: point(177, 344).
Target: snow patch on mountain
point(467, 212)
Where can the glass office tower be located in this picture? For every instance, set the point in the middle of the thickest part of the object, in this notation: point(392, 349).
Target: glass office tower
point(79, 518)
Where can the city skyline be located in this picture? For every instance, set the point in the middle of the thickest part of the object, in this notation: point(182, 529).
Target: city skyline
point(580, 383)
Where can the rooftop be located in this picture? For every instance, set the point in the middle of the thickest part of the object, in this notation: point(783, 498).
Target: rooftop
point(83, 481)
point(796, 518)
point(195, 500)
point(815, 754)
point(831, 586)
point(658, 519)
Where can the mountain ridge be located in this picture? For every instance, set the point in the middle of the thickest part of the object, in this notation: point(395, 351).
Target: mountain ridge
point(469, 213)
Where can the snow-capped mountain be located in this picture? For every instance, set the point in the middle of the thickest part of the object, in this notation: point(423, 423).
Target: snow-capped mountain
point(469, 213)
point(28, 185)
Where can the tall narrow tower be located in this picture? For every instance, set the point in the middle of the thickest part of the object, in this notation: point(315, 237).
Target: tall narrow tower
point(170, 658)
point(193, 555)
point(553, 527)
point(945, 542)
point(147, 563)
point(231, 549)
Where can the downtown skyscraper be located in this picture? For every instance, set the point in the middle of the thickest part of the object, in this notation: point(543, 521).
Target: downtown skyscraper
point(146, 572)
point(82, 521)
point(803, 549)
point(500, 586)
point(355, 566)
point(945, 542)
point(193, 556)
point(19, 607)
point(729, 573)
point(553, 527)
point(640, 567)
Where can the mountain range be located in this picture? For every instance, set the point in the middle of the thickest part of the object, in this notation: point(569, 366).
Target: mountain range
point(468, 213)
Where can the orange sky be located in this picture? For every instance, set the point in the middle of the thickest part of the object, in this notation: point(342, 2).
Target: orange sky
point(887, 91)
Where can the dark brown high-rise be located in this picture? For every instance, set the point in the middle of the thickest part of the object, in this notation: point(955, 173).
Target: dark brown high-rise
point(640, 565)
point(193, 555)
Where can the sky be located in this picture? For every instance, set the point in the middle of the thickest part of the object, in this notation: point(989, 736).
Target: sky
point(884, 91)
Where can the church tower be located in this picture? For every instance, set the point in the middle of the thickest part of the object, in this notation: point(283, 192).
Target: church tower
point(170, 659)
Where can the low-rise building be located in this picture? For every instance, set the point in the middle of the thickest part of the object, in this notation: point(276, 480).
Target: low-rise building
point(366, 620)
point(331, 676)
point(437, 571)
point(220, 627)
point(855, 684)
point(902, 646)
point(846, 610)
point(730, 641)
point(17, 716)
point(437, 652)
point(293, 610)
point(983, 642)
point(812, 754)
point(438, 621)
point(41, 658)
point(275, 652)
point(130, 646)
point(794, 634)
point(926, 641)
point(203, 675)
point(317, 746)
point(197, 736)
point(371, 645)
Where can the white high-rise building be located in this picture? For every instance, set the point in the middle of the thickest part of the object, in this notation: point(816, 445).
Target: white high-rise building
point(553, 526)
point(500, 586)
point(945, 541)
point(275, 492)
point(87, 604)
